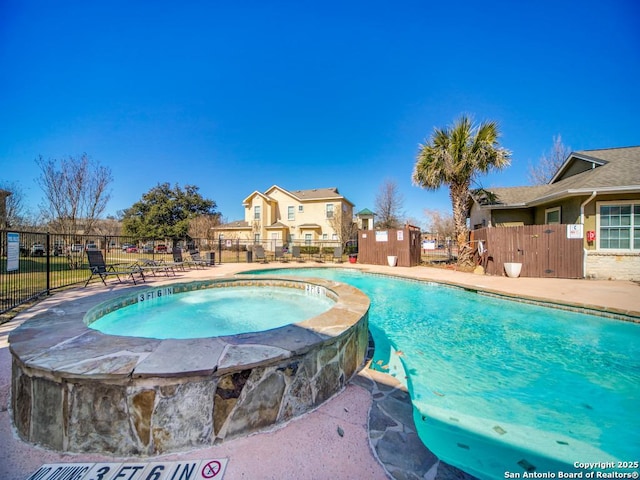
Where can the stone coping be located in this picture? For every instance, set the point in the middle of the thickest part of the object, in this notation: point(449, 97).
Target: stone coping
point(79, 390)
point(57, 341)
point(578, 307)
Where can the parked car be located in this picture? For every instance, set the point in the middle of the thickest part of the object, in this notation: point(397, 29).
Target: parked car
point(161, 248)
point(132, 249)
point(36, 250)
point(147, 249)
point(91, 246)
point(125, 246)
point(76, 247)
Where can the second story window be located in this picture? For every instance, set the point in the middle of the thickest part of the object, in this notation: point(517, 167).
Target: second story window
point(329, 210)
point(300, 208)
point(256, 212)
point(291, 213)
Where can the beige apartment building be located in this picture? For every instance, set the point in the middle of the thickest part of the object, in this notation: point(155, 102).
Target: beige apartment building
point(280, 217)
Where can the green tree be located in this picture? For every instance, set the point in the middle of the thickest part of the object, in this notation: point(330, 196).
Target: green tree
point(454, 156)
point(165, 212)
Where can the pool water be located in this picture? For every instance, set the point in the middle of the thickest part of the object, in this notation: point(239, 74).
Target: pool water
point(213, 312)
point(501, 386)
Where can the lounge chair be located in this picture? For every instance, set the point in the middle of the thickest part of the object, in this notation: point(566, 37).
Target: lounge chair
point(337, 254)
point(280, 255)
point(260, 256)
point(197, 260)
point(295, 253)
point(98, 267)
point(178, 262)
point(153, 266)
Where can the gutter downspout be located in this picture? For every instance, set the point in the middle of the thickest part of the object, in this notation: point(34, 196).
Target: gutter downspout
point(584, 249)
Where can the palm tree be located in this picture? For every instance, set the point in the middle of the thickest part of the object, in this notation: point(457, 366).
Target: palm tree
point(454, 156)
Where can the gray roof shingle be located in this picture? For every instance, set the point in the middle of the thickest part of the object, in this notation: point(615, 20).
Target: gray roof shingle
point(619, 170)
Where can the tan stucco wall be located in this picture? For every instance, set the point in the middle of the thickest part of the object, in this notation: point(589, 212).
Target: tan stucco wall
point(314, 212)
point(569, 210)
point(505, 218)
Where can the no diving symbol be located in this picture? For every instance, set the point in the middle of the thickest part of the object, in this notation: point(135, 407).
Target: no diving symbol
point(211, 469)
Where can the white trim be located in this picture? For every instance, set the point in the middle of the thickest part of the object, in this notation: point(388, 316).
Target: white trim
point(326, 210)
point(631, 227)
point(547, 211)
point(579, 156)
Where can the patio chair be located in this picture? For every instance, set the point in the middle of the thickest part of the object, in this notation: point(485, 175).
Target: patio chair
point(197, 260)
point(178, 261)
point(295, 253)
point(337, 254)
point(260, 255)
point(154, 266)
point(280, 255)
point(98, 267)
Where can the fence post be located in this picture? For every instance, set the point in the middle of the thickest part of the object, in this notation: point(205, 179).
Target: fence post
point(47, 249)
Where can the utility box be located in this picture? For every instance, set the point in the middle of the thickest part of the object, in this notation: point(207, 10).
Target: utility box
point(210, 258)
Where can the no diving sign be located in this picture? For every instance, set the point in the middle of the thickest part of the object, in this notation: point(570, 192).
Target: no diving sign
point(212, 469)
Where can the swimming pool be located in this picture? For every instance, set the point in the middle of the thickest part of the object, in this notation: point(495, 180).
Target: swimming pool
point(501, 386)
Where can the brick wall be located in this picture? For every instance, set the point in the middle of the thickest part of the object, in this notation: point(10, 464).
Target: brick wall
point(603, 266)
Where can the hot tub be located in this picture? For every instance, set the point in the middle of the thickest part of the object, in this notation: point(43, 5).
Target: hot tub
point(76, 389)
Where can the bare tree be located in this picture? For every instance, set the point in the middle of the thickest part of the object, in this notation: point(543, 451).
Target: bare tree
point(439, 223)
point(549, 163)
point(202, 225)
point(17, 215)
point(344, 226)
point(110, 226)
point(76, 192)
point(389, 205)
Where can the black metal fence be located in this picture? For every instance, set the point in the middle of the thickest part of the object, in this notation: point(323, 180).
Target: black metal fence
point(33, 264)
point(243, 250)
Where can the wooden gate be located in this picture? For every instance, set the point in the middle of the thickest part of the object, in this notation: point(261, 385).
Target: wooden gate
point(375, 245)
point(543, 250)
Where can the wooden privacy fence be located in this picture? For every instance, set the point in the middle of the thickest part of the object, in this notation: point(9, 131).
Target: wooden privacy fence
point(544, 250)
point(374, 246)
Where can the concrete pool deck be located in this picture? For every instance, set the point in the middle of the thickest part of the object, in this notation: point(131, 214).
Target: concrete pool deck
point(366, 431)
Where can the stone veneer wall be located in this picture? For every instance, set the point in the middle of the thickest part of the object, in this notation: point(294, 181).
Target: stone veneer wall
point(144, 397)
point(608, 266)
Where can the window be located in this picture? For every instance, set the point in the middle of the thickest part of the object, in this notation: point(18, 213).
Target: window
point(256, 238)
point(256, 212)
point(552, 215)
point(334, 236)
point(291, 213)
point(300, 208)
point(329, 210)
point(307, 238)
point(325, 236)
point(619, 226)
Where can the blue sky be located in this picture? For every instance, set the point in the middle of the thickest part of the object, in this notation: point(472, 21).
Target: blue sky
point(237, 96)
